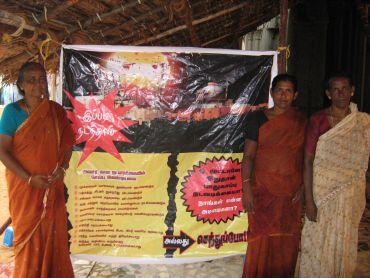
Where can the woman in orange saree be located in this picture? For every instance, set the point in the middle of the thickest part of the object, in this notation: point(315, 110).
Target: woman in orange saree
point(35, 146)
point(272, 180)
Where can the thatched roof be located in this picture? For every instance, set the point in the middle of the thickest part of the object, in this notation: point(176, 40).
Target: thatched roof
point(34, 30)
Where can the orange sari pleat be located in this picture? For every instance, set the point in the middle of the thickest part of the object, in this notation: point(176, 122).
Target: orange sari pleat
point(274, 228)
point(39, 221)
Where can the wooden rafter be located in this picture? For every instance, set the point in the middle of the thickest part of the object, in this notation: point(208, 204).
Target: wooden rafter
point(194, 22)
point(96, 19)
point(14, 20)
point(209, 23)
point(56, 11)
point(183, 10)
point(189, 23)
point(125, 39)
point(134, 20)
point(242, 30)
point(17, 21)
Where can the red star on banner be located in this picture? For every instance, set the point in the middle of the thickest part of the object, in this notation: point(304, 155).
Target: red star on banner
point(99, 124)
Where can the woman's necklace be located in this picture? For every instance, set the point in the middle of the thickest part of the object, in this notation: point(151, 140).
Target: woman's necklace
point(331, 118)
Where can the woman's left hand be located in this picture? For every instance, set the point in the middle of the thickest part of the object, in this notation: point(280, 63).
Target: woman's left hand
point(298, 196)
point(58, 174)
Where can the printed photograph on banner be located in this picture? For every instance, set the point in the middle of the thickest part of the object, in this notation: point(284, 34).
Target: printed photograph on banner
point(162, 102)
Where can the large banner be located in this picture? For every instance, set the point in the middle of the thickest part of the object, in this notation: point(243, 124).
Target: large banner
point(155, 175)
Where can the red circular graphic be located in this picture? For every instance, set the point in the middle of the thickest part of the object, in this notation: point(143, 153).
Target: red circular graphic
point(212, 190)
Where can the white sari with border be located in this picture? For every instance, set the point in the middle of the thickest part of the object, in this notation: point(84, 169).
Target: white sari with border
point(329, 246)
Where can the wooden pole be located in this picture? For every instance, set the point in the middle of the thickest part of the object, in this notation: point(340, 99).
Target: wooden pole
point(282, 60)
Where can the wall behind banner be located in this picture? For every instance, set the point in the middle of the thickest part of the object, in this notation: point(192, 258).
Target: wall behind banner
point(156, 170)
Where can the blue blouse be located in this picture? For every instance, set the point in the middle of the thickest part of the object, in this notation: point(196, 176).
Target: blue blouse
point(13, 116)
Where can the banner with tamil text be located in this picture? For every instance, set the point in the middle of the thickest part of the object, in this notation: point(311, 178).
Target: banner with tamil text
point(155, 174)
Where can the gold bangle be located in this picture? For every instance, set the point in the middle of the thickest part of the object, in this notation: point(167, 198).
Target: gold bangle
point(29, 179)
point(247, 180)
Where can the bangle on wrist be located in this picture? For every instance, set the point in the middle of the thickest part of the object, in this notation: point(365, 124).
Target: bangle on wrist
point(248, 179)
point(29, 180)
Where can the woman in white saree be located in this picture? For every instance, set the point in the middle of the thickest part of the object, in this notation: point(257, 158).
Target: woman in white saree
point(336, 159)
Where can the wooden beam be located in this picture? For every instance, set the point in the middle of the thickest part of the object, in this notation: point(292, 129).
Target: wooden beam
point(189, 23)
point(241, 30)
point(115, 41)
point(17, 21)
point(215, 40)
point(194, 22)
point(183, 10)
point(244, 28)
point(138, 19)
point(14, 20)
point(25, 6)
point(40, 18)
point(282, 59)
point(95, 19)
point(59, 9)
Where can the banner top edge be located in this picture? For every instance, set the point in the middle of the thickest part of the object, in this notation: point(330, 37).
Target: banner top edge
point(102, 48)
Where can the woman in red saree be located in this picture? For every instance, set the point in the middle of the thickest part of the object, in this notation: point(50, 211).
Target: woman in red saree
point(35, 146)
point(272, 180)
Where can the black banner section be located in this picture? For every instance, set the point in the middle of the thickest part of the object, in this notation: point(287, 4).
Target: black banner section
point(199, 102)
